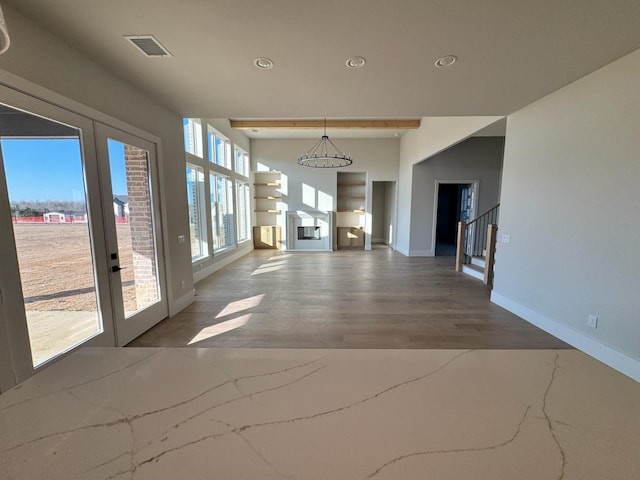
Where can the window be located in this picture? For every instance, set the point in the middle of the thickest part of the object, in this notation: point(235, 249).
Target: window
point(244, 216)
point(195, 199)
point(192, 136)
point(219, 149)
point(218, 191)
point(222, 217)
point(242, 162)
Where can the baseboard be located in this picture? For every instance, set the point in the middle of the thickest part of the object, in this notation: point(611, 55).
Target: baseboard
point(610, 356)
point(176, 306)
point(223, 259)
point(421, 253)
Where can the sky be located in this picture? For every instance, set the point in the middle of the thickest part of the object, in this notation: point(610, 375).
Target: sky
point(44, 169)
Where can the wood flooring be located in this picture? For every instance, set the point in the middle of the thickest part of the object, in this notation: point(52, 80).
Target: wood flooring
point(345, 299)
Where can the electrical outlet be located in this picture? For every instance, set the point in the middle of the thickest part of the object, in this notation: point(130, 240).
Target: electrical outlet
point(592, 321)
point(506, 238)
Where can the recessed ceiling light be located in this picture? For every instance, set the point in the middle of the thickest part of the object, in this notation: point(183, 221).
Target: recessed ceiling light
point(263, 63)
point(355, 62)
point(446, 61)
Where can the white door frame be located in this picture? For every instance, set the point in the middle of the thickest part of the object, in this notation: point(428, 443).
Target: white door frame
point(15, 355)
point(476, 195)
point(14, 318)
point(129, 328)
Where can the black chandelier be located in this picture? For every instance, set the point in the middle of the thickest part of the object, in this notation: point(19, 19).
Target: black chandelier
point(325, 154)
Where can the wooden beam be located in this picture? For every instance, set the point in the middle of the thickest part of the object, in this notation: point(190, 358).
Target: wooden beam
point(379, 124)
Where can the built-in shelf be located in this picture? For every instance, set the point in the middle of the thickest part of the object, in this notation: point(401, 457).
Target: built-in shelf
point(267, 232)
point(351, 204)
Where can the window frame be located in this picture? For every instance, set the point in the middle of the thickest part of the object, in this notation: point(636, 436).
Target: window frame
point(217, 221)
point(209, 213)
point(244, 170)
point(200, 212)
point(247, 210)
point(192, 131)
point(213, 136)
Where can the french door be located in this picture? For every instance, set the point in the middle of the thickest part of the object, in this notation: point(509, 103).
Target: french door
point(128, 171)
point(72, 271)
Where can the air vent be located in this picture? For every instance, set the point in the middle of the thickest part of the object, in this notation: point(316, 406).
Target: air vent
point(148, 45)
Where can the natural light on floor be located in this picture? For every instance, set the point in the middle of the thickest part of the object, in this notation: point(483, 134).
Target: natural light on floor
point(231, 324)
point(274, 264)
point(240, 305)
point(220, 328)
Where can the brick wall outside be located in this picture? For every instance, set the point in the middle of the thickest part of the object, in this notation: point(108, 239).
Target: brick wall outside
point(141, 225)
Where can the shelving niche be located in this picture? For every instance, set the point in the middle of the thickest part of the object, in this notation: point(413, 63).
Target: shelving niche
point(351, 204)
point(268, 210)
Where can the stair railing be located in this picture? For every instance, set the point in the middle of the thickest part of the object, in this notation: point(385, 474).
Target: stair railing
point(477, 237)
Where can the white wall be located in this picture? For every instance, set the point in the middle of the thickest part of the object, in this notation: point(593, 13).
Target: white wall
point(477, 158)
point(434, 135)
point(390, 213)
point(43, 59)
point(315, 188)
point(570, 203)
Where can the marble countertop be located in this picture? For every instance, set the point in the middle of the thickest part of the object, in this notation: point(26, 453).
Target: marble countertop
point(171, 413)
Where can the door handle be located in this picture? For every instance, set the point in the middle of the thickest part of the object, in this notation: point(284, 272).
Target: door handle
point(117, 268)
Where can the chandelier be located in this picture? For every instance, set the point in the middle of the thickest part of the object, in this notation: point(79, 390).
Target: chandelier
point(325, 154)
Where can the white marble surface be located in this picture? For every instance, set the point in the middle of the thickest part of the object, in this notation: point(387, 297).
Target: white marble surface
point(322, 414)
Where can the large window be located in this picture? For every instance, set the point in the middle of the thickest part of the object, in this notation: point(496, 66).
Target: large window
point(195, 198)
point(219, 208)
point(222, 217)
point(244, 215)
point(219, 148)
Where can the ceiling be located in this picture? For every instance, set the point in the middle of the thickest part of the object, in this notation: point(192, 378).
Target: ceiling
point(510, 52)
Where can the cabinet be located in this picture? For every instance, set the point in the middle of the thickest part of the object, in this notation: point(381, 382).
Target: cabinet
point(350, 237)
point(267, 237)
point(268, 210)
point(351, 205)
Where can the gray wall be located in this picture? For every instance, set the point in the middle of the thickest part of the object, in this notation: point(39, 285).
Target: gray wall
point(570, 204)
point(477, 158)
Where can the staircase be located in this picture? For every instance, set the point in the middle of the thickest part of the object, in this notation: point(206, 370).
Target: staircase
point(476, 267)
point(476, 245)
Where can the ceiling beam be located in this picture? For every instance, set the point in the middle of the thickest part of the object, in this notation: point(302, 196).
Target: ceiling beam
point(345, 124)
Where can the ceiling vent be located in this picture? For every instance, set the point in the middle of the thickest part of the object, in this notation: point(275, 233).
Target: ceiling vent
point(148, 45)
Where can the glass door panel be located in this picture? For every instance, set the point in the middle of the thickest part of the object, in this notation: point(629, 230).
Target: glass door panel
point(131, 191)
point(45, 176)
point(132, 222)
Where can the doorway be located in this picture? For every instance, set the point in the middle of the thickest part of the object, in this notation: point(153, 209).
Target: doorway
point(62, 242)
point(455, 203)
point(383, 212)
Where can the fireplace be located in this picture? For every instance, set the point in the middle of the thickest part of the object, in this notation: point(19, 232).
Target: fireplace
point(310, 230)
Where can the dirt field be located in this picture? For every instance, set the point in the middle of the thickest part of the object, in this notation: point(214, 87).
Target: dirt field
point(56, 267)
